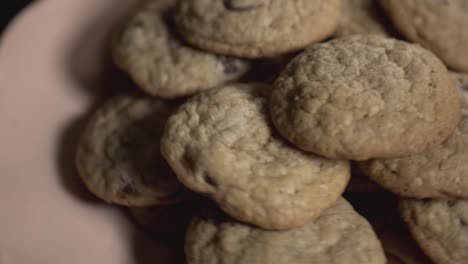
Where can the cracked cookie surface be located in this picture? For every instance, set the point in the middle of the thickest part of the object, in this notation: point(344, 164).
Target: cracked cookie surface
point(257, 28)
point(439, 25)
point(221, 144)
point(441, 172)
point(363, 97)
point(440, 227)
point(161, 64)
point(339, 235)
point(119, 159)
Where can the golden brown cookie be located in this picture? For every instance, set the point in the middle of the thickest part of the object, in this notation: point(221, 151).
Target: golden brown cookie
point(339, 235)
point(118, 157)
point(439, 25)
point(161, 63)
point(221, 144)
point(439, 227)
point(441, 172)
point(257, 28)
point(363, 97)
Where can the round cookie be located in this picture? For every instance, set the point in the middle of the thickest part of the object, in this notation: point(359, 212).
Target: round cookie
point(441, 172)
point(257, 28)
point(339, 235)
point(222, 145)
point(360, 183)
point(161, 64)
point(439, 25)
point(118, 157)
point(171, 219)
point(439, 227)
point(363, 97)
point(362, 17)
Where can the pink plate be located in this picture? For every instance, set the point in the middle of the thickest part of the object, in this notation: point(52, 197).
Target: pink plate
point(54, 67)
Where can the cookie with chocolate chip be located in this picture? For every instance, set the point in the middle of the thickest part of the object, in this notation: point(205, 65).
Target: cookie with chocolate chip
point(161, 63)
point(257, 28)
point(118, 157)
point(222, 144)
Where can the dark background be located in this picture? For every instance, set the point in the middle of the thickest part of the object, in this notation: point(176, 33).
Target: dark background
point(8, 9)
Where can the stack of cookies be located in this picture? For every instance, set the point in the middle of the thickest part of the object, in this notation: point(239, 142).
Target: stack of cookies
point(260, 121)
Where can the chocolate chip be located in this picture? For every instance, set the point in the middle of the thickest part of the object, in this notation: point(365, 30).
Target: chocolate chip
point(188, 161)
point(463, 222)
point(234, 5)
point(451, 203)
point(207, 178)
point(444, 2)
point(465, 87)
point(229, 65)
point(128, 190)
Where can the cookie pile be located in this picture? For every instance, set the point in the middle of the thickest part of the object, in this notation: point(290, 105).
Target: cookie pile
point(255, 115)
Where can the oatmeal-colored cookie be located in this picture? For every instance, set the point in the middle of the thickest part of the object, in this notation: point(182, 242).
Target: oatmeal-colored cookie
point(118, 157)
point(441, 172)
point(172, 219)
point(339, 235)
point(257, 28)
point(439, 227)
point(161, 64)
point(363, 97)
point(439, 25)
point(360, 183)
point(362, 17)
point(221, 144)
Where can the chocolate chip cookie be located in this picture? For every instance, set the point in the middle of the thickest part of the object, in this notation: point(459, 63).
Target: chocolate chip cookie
point(118, 157)
point(221, 144)
point(257, 28)
point(441, 172)
point(339, 235)
point(161, 63)
point(439, 25)
point(363, 97)
point(440, 227)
